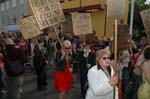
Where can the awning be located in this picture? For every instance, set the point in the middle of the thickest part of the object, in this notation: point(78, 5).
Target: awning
point(12, 28)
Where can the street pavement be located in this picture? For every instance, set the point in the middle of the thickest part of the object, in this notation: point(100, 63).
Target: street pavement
point(30, 90)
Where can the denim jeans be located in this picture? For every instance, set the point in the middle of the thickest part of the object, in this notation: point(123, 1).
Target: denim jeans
point(125, 78)
point(137, 79)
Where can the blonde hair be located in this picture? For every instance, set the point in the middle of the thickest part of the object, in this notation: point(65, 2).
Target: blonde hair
point(67, 44)
point(100, 54)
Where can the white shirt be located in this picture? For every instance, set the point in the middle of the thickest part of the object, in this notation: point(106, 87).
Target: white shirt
point(99, 87)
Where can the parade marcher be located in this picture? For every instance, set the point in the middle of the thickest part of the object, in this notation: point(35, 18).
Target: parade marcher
point(75, 64)
point(30, 52)
point(63, 76)
point(40, 64)
point(144, 89)
point(86, 61)
point(136, 75)
point(143, 43)
point(1, 73)
point(14, 60)
point(125, 60)
point(101, 78)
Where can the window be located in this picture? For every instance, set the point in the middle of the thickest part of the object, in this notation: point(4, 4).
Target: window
point(3, 19)
point(2, 7)
point(7, 5)
point(14, 3)
point(21, 2)
point(8, 20)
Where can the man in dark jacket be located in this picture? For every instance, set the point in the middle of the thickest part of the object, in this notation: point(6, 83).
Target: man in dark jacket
point(40, 64)
point(13, 56)
point(86, 61)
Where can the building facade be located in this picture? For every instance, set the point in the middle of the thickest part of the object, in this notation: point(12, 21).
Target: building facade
point(13, 10)
point(10, 12)
point(98, 9)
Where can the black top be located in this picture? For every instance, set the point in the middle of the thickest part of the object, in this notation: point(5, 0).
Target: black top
point(60, 64)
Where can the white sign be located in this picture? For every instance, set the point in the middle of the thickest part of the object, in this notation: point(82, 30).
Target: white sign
point(116, 9)
point(146, 21)
point(47, 12)
point(29, 27)
point(82, 23)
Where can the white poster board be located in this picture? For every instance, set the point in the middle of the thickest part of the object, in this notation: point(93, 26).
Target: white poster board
point(116, 9)
point(29, 27)
point(47, 12)
point(81, 23)
point(146, 21)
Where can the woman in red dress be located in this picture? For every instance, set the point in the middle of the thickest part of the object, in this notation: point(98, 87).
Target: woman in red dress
point(63, 76)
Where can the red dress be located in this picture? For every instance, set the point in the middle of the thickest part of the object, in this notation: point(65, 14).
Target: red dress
point(63, 80)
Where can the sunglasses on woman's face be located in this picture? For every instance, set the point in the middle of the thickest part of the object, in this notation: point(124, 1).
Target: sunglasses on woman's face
point(104, 58)
point(67, 48)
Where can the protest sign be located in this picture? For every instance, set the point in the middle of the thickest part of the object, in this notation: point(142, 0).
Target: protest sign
point(116, 9)
point(81, 23)
point(146, 21)
point(47, 12)
point(123, 35)
point(29, 27)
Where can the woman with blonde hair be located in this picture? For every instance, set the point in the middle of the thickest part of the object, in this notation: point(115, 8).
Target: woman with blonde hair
point(101, 78)
point(63, 76)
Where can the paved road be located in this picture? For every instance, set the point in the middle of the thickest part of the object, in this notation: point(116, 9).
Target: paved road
point(30, 91)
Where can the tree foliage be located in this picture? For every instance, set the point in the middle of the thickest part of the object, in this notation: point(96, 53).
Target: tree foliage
point(139, 6)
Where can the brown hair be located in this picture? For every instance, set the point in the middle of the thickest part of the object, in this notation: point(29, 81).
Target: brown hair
point(100, 54)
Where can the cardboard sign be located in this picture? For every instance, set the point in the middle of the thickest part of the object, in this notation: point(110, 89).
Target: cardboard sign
point(47, 12)
point(116, 9)
point(29, 27)
point(146, 21)
point(81, 23)
point(123, 35)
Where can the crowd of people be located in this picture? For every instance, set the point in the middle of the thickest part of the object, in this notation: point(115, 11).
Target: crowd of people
point(87, 66)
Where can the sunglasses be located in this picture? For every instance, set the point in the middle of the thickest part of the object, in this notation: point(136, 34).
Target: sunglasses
point(67, 48)
point(104, 58)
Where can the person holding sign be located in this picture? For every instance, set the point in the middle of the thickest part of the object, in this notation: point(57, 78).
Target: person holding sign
point(144, 89)
point(40, 64)
point(101, 78)
point(63, 76)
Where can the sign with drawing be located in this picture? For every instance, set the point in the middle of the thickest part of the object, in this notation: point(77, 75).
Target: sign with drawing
point(123, 35)
point(81, 23)
point(29, 27)
point(146, 21)
point(47, 12)
point(116, 9)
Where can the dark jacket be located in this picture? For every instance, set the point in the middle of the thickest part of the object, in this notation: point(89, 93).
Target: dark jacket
point(40, 57)
point(60, 64)
point(84, 61)
point(12, 53)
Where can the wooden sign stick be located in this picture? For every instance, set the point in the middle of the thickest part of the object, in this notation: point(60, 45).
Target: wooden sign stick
point(115, 68)
point(55, 29)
